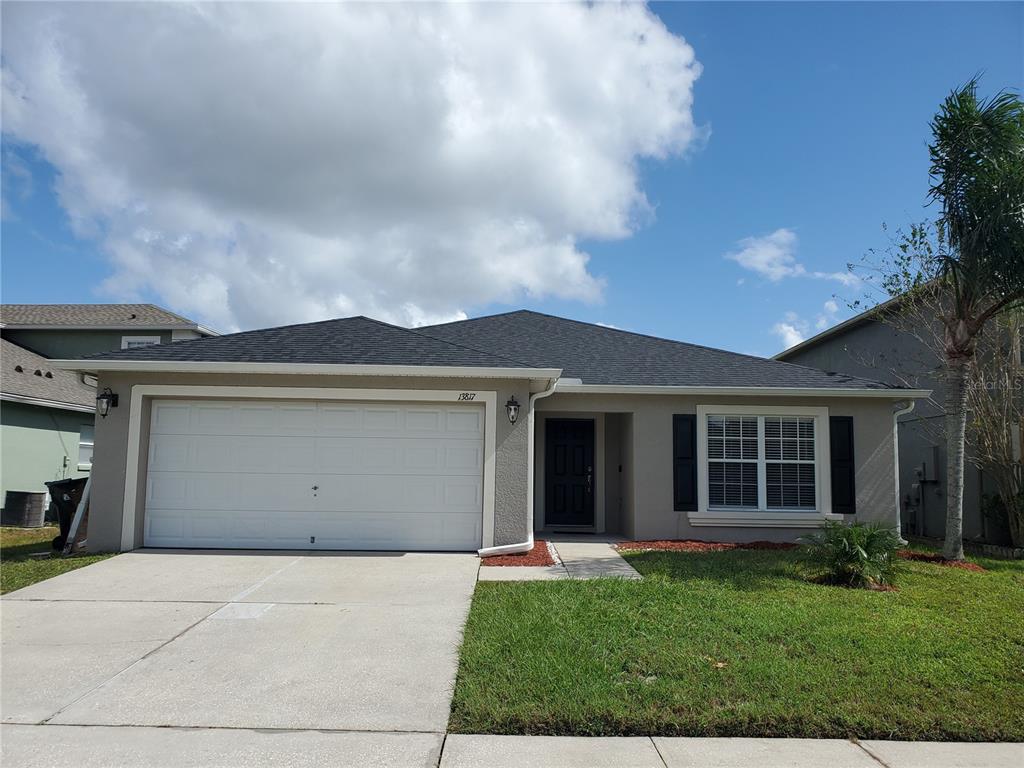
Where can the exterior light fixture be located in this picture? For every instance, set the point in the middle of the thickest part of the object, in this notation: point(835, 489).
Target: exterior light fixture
point(105, 400)
point(512, 409)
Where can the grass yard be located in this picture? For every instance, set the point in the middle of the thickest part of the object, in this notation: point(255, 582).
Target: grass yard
point(738, 643)
point(18, 570)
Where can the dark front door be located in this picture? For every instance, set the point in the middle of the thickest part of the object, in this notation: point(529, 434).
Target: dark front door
point(569, 472)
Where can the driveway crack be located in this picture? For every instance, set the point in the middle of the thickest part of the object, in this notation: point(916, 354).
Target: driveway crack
point(137, 661)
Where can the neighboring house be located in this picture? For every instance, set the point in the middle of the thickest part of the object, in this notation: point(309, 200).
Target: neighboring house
point(356, 434)
point(46, 416)
point(868, 345)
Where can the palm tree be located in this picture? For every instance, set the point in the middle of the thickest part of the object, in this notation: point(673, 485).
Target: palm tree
point(977, 175)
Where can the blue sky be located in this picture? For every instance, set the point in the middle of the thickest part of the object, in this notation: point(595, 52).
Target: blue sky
point(818, 118)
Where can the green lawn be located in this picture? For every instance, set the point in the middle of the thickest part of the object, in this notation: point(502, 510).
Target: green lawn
point(740, 644)
point(18, 570)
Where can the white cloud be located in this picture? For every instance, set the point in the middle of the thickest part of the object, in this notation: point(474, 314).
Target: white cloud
point(827, 316)
point(791, 329)
point(259, 163)
point(773, 256)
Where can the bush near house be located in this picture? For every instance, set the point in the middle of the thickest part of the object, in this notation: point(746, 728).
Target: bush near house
point(742, 643)
point(859, 555)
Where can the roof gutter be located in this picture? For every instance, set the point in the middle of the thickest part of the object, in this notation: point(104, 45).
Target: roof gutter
point(641, 389)
point(527, 545)
point(44, 403)
point(304, 369)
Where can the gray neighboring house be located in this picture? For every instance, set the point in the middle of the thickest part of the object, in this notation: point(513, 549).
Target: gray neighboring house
point(356, 434)
point(866, 345)
point(47, 414)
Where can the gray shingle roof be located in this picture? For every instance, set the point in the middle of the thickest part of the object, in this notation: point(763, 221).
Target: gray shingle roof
point(348, 341)
point(93, 316)
point(523, 339)
point(600, 355)
point(50, 384)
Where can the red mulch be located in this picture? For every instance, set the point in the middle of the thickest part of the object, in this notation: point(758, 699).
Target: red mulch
point(539, 555)
point(694, 545)
point(929, 557)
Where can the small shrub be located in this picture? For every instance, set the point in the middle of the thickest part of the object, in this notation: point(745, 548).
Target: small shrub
point(859, 555)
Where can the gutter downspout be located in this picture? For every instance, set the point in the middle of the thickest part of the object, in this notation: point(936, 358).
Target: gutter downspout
point(897, 412)
point(524, 546)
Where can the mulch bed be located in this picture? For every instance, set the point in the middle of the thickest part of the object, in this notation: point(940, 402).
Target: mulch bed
point(929, 557)
point(539, 555)
point(694, 545)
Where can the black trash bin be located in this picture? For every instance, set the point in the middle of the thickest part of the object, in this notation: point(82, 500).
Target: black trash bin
point(65, 495)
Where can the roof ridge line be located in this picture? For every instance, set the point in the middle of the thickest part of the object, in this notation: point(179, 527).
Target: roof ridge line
point(671, 341)
point(418, 332)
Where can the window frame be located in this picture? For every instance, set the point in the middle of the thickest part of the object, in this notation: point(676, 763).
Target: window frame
point(150, 341)
point(763, 515)
point(85, 466)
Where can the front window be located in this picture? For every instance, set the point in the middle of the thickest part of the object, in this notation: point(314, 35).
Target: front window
point(767, 463)
point(85, 446)
point(732, 461)
point(789, 462)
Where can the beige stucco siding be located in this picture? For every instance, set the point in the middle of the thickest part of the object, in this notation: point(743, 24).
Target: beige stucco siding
point(647, 459)
point(111, 453)
point(634, 432)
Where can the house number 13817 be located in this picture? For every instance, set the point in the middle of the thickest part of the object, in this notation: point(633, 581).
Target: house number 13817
point(467, 396)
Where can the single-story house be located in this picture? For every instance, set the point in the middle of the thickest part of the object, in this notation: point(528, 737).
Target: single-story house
point(356, 434)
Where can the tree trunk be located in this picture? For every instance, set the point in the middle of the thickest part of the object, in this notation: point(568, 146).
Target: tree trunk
point(956, 427)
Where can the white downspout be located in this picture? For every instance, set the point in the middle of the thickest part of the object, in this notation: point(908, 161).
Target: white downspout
point(524, 546)
point(897, 412)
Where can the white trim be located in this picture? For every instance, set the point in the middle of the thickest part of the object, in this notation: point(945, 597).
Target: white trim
point(643, 389)
point(761, 519)
point(764, 516)
point(168, 366)
point(47, 403)
point(489, 399)
point(150, 341)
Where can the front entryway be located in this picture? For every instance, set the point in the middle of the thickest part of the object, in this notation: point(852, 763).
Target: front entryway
point(569, 472)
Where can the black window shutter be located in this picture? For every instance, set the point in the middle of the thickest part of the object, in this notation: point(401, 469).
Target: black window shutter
point(844, 497)
point(684, 462)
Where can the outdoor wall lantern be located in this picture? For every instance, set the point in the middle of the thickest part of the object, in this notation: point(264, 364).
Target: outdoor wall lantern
point(105, 400)
point(512, 409)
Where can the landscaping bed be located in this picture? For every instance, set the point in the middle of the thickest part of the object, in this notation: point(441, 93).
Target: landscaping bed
point(540, 555)
point(742, 643)
point(18, 568)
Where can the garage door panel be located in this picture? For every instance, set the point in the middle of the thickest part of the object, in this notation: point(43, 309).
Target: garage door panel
point(387, 476)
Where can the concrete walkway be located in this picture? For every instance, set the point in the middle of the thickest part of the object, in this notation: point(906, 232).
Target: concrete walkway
point(642, 752)
point(579, 557)
point(55, 746)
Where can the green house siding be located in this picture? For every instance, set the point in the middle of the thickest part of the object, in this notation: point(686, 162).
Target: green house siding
point(66, 345)
point(34, 442)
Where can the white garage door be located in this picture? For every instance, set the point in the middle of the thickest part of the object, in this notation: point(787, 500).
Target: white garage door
point(314, 475)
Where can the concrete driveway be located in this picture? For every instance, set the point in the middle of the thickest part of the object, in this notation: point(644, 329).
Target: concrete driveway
point(362, 647)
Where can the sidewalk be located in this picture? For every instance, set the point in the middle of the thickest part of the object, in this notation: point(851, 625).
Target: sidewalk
point(641, 752)
point(63, 746)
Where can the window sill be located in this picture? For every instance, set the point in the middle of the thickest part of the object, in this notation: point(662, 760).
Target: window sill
point(755, 519)
point(84, 467)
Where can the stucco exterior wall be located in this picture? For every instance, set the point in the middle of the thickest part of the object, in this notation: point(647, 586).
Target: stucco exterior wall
point(111, 453)
point(69, 344)
point(38, 445)
point(647, 459)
